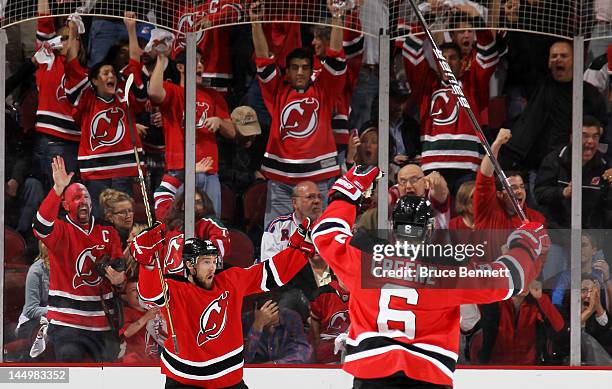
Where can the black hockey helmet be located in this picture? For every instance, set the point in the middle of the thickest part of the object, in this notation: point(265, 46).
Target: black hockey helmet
point(413, 217)
point(194, 248)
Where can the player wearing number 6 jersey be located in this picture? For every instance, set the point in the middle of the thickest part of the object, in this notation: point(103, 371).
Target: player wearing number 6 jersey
point(405, 337)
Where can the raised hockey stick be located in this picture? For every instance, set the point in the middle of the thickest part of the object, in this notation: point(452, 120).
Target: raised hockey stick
point(145, 198)
point(458, 92)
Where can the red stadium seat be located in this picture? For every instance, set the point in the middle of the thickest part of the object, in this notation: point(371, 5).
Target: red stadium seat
point(497, 112)
point(254, 205)
point(14, 247)
point(28, 111)
point(228, 205)
point(241, 249)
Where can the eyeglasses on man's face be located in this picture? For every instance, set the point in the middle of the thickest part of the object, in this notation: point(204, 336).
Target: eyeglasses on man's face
point(410, 180)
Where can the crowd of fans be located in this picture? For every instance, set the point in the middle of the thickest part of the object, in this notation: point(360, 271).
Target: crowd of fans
point(292, 106)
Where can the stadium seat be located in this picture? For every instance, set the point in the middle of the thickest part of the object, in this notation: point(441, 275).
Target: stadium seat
point(241, 249)
point(28, 111)
point(254, 205)
point(140, 215)
point(228, 205)
point(14, 247)
point(497, 112)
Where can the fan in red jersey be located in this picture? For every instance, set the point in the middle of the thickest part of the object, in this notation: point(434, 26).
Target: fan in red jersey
point(108, 136)
point(212, 116)
point(409, 336)
point(58, 134)
point(81, 297)
point(206, 306)
point(301, 144)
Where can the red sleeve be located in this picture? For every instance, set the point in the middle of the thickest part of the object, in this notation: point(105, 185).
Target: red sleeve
point(213, 230)
point(551, 312)
point(273, 273)
point(484, 65)
point(149, 286)
point(77, 81)
point(164, 196)
point(44, 224)
point(269, 77)
point(485, 198)
point(45, 30)
point(352, 43)
point(167, 106)
point(332, 236)
point(333, 73)
point(420, 76)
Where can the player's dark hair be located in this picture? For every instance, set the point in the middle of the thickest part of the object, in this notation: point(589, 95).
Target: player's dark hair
point(299, 53)
point(451, 46)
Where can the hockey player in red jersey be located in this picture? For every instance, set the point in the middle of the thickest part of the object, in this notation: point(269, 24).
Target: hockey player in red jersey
point(81, 298)
point(206, 306)
point(402, 336)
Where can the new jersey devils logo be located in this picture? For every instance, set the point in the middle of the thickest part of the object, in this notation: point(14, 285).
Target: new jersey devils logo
point(173, 262)
point(185, 24)
point(339, 322)
point(85, 269)
point(107, 128)
point(201, 113)
point(60, 92)
point(440, 108)
point(299, 118)
point(213, 319)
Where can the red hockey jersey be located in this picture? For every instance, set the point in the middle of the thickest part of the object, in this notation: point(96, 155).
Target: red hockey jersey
point(414, 331)
point(208, 104)
point(54, 112)
point(208, 323)
point(214, 43)
point(448, 138)
point(76, 290)
point(329, 306)
point(301, 144)
point(106, 149)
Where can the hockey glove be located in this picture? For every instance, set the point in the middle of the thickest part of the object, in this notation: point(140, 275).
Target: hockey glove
point(145, 244)
point(531, 236)
point(300, 239)
point(356, 183)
